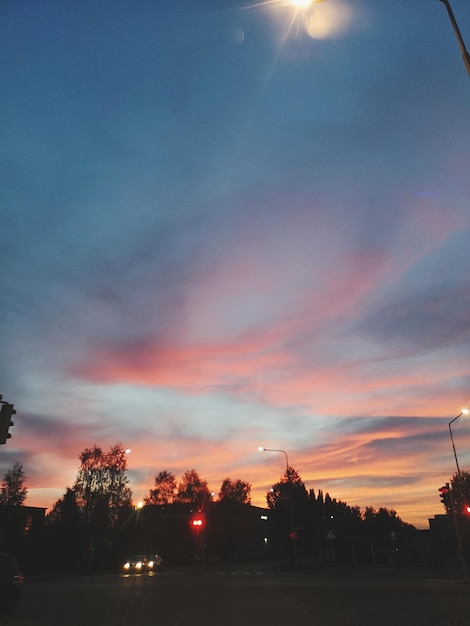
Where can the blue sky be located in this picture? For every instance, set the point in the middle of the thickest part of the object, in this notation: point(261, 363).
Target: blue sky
point(228, 225)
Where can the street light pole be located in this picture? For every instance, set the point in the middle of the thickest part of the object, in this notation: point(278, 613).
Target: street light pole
point(291, 507)
point(455, 26)
point(462, 412)
point(460, 554)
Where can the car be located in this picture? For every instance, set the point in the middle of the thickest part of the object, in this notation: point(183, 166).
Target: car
point(142, 563)
point(11, 581)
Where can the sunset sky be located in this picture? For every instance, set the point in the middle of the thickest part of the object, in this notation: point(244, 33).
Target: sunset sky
point(227, 225)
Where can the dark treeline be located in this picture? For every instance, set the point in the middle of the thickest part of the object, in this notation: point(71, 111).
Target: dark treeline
point(96, 525)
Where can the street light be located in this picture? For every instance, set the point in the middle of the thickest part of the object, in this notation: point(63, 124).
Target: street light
point(291, 508)
point(463, 49)
point(460, 554)
point(462, 412)
point(261, 449)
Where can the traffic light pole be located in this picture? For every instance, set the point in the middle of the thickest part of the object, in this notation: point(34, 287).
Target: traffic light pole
point(460, 553)
point(198, 524)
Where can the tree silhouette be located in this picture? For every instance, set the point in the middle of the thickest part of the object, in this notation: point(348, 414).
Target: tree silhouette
point(101, 488)
point(193, 490)
point(289, 489)
point(164, 490)
point(460, 487)
point(64, 533)
point(237, 490)
point(13, 491)
point(65, 511)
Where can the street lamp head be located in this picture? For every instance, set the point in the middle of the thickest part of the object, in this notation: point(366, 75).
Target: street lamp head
point(464, 412)
point(261, 449)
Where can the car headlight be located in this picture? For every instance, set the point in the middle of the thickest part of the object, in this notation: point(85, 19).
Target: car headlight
point(138, 565)
point(126, 565)
point(151, 564)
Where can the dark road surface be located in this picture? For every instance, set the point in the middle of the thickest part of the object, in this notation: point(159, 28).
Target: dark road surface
point(242, 598)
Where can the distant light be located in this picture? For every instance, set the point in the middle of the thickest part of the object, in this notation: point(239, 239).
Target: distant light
point(264, 517)
point(140, 504)
point(127, 450)
point(261, 449)
point(265, 540)
point(465, 411)
point(301, 3)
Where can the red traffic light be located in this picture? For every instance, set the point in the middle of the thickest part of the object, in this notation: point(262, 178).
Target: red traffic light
point(198, 521)
point(466, 509)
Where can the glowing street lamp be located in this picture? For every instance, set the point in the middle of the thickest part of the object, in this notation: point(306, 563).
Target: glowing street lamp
point(462, 412)
point(261, 449)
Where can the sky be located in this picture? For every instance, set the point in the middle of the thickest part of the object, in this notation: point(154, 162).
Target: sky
point(227, 225)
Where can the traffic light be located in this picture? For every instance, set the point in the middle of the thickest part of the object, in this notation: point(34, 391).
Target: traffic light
point(198, 522)
point(444, 491)
point(6, 413)
point(466, 509)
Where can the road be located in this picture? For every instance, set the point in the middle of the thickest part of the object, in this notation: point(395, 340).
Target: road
point(240, 598)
